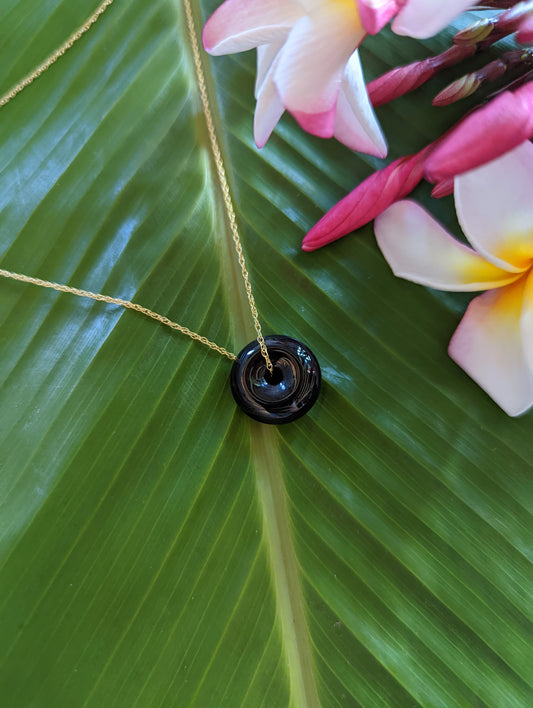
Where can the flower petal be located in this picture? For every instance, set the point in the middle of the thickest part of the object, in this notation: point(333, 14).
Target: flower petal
point(268, 109)
point(356, 124)
point(238, 25)
point(489, 345)
point(376, 13)
point(526, 322)
point(266, 55)
point(424, 18)
point(419, 249)
point(494, 205)
point(312, 63)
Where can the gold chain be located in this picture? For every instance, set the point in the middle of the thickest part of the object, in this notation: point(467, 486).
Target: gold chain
point(47, 63)
point(117, 301)
point(221, 172)
point(221, 176)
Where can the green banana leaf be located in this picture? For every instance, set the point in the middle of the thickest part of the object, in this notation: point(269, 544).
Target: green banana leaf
point(159, 548)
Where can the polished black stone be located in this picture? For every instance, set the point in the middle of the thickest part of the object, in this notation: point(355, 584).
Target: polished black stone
point(287, 393)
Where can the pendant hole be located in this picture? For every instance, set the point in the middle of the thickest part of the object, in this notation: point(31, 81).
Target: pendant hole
point(274, 378)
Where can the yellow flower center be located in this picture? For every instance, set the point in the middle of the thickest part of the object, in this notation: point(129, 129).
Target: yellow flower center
point(517, 249)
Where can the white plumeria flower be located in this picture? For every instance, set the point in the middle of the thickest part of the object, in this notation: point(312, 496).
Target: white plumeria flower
point(494, 203)
point(307, 65)
point(308, 62)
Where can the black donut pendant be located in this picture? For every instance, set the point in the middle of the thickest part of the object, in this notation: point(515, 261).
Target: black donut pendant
point(286, 394)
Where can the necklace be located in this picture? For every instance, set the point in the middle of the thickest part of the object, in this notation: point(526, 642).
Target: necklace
point(274, 379)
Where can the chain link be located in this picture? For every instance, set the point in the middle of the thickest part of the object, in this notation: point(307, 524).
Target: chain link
point(221, 172)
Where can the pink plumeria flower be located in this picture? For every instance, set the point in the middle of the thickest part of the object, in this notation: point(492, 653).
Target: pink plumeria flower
point(494, 203)
point(307, 65)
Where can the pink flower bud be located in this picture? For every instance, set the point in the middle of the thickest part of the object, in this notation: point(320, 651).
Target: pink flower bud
point(469, 84)
point(474, 33)
point(525, 31)
point(404, 79)
point(443, 189)
point(462, 88)
point(399, 81)
point(369, 199)
point(488, 133)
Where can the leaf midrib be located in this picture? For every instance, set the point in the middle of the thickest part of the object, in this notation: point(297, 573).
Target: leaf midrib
point(264, 449)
